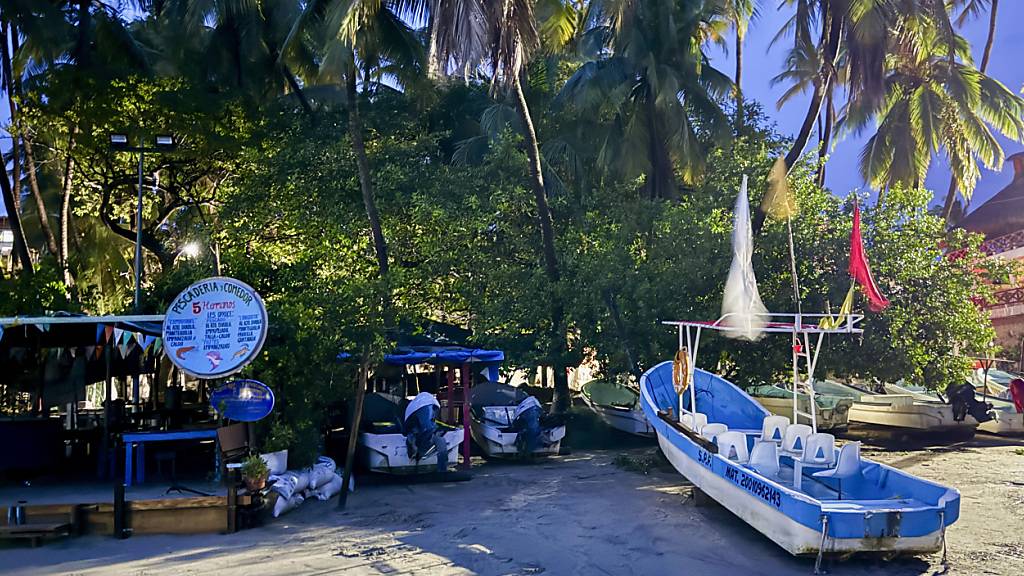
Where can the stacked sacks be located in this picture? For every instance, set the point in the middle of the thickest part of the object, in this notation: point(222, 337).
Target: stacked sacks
point(319, 481)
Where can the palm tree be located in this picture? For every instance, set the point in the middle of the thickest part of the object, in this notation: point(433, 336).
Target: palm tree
point(354, 37)
point(970, 9)
point(935, 101)
point(503, 34)
point(740, 14)
point(864, 32)
point(657, 81)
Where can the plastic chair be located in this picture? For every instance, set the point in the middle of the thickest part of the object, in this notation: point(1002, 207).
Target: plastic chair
point(765, 458)
point(773, 428)
point(819, 452)
point(733, 446)
point(694, 421)
point(711, 431)
point(795, 439)
point(847, 465)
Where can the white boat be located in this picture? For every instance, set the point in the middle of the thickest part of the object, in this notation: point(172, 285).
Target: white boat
point(785, 480)
point(831, 411)
point(505, 421)
point(618, 406)
point(384, 439)
point(1005, 420)
point(908, 411)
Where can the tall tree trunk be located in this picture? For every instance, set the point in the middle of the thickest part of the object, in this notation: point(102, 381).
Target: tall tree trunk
point(739, 76)
point(65, 209)
point(37, 195)
point(547, 233)
point(14, 217)
point(355, 129)
point(826, 137)
point(14, 89)
point(831, 36)
point(987, 54)
point(947, 206)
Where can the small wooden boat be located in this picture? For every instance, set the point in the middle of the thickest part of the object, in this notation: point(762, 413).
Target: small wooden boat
point(385, 439)
point(618, 406)
point(505, 421)
point(831, 411)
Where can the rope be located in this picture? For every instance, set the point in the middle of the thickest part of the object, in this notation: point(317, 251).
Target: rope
point(821, 546)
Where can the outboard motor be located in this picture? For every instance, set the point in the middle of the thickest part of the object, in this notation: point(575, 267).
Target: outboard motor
point(961, 398)
point(421, 433)
point(526, 422)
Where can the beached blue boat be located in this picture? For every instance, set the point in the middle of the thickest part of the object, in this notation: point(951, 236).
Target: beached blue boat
point(787, 481)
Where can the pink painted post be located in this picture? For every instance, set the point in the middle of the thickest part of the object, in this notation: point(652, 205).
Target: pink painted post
point(449, 417)
point(465, 416)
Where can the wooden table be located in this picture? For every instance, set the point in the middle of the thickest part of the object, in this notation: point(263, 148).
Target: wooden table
point(132, 438)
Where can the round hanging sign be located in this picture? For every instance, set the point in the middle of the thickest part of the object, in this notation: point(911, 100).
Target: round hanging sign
point(215, 327)
point(243, 400)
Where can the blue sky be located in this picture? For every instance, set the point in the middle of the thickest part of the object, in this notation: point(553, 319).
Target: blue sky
point(762, 62)
point(842, 175)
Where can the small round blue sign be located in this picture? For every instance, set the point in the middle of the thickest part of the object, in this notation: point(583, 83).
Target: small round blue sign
point(243, 400)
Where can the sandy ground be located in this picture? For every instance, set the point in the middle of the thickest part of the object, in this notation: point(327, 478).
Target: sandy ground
point(575, 514)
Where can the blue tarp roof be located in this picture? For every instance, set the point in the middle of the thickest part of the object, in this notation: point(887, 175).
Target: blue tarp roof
point(437, 355)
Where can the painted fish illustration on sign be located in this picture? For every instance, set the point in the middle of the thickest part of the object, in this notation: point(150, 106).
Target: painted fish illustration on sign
point(180, 352)
point(241, 351)
point(214, 358)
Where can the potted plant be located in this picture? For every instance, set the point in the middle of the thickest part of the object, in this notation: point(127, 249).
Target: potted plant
point(254, 473)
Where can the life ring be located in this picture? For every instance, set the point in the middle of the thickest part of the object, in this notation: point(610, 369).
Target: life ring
point(681, 370)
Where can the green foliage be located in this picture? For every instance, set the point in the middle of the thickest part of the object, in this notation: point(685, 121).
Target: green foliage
point(255, 467)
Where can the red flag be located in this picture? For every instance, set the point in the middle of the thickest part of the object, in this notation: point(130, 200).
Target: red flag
point(859, 269)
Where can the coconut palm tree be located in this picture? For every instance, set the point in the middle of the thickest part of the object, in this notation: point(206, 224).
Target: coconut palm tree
point(934, 101)
point(740, 13)
point(658, 82)
point(864, 31)
point(970, 9)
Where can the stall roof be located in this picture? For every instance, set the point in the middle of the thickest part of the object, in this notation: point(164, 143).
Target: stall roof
point(406, 355)
point(64, 330)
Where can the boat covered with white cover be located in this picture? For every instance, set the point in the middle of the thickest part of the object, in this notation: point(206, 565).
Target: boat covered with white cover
point(617, 405)
point(409, 441)
point(506, 421)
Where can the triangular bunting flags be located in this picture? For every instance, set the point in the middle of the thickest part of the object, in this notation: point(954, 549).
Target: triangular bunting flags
point(158, 345)
point(89, 351)
point(108, 331)
point(99, 332)
point(118, 333)
point(43, 327)
point(148, 341)
point(99, 351)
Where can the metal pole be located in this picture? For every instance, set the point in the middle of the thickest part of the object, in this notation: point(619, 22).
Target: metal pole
point(138, 238)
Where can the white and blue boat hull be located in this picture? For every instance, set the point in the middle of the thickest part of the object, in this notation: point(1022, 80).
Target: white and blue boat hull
point(908, 516)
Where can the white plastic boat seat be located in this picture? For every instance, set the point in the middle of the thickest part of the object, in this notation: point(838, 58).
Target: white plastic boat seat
point(732, 445)
point(847, 465)
point(773, 428)
point(694, 420)
point(820, 450)
point(795, 439)
point(711, 431)
point(764, 458)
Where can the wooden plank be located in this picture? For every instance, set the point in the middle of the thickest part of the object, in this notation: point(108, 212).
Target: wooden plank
point(697, 438)
point(36, 528)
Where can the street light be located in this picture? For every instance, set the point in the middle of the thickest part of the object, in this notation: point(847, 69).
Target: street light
point(120, 143)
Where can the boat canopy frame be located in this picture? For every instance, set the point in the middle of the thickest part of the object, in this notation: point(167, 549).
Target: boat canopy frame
point(801, 326)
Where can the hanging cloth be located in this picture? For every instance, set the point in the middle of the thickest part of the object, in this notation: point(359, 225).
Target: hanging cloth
point(859, 269)
point(742, 309)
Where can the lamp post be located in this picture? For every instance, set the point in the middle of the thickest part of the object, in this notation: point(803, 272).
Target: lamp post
point(119, 143)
